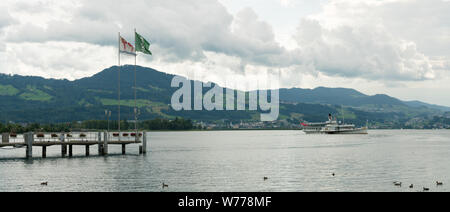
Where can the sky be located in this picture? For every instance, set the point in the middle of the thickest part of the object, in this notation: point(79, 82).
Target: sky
point(394, 47)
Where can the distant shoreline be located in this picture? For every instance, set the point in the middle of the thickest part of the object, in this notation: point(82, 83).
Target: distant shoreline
point(212, 130)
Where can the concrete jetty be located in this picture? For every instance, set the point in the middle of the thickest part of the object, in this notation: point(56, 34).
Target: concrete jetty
point(67, 140)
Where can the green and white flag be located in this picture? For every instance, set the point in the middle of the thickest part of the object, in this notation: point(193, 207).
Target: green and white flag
point(142, 45)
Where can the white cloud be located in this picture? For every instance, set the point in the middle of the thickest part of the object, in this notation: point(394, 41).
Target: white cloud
point(5, 21)
point(425, 23)
point(56, 59)
point(384, 42)
point(286, 3)
point(185, 28)
point(368, 52)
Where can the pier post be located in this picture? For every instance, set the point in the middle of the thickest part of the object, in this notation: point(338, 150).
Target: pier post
point(100, 149)
point(123, 149)
point(87, 150)
point(70, 150)
point(44, 151)
point(144, 143)
point(105, 144)
point(100, 145)
point(5, 138)
point(63, 150)
point(29, 138)
point(63, 146)
point(140, 149)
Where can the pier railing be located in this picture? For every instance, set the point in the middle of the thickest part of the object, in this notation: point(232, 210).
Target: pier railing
point(72, 136)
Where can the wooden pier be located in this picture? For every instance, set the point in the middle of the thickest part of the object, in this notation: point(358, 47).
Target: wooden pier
point(68, 140)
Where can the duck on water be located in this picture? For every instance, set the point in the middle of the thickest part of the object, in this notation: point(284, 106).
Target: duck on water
point(332, 126)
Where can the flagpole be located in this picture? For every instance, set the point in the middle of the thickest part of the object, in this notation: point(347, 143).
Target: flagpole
point(118, 83)
point(135, 104)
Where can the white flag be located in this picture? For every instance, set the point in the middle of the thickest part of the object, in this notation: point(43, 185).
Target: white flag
point(126, 47)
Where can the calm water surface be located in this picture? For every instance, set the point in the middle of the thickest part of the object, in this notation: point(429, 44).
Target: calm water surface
point(238, 161)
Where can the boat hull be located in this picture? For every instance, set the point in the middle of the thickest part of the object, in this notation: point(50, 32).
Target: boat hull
point(360, 131)
point(355, 131)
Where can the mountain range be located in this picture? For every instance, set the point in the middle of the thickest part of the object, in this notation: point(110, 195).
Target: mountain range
point(26, 99)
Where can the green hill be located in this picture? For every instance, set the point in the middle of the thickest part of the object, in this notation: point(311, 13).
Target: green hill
point(25, 99)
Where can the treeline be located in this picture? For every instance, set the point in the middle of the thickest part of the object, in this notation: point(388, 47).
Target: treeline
point(164, 124)
point(155, 124)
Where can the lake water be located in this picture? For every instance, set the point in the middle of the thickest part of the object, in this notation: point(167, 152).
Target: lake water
point(238, 161)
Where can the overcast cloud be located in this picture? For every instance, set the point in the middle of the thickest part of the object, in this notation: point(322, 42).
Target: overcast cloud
point(384, 44)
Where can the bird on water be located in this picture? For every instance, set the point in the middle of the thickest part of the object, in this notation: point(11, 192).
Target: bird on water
point(397, 183)
point(44, 183)
point(165, 185)
point(265, 178)
point(439, 183)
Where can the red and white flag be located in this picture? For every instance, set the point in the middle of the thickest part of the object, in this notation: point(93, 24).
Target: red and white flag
point(126, 47)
